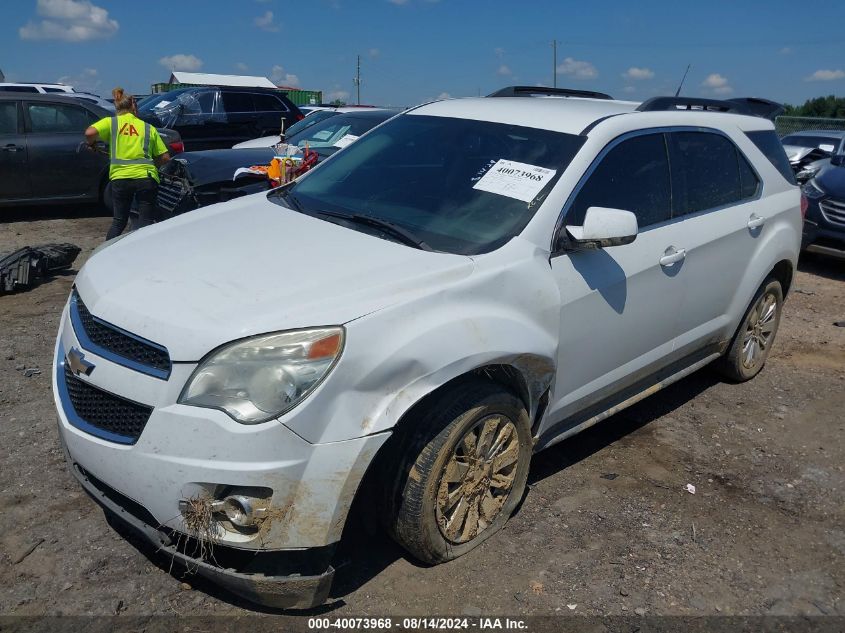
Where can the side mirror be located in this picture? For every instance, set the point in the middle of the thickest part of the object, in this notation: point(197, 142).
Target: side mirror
point(603, 228)
point(837, 159)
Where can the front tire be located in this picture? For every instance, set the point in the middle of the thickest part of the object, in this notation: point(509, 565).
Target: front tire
point(756, 334)
point(462, 478)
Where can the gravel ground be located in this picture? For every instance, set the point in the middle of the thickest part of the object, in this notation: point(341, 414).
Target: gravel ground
point(607, 527)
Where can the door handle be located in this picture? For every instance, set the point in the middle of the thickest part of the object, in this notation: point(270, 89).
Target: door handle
point(755, 221)
point(672, 256)
point(11, 147)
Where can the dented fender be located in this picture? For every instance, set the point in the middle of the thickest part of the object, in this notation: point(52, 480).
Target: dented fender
point(397, 355)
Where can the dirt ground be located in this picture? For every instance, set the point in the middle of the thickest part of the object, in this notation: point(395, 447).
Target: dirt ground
point(607, 527)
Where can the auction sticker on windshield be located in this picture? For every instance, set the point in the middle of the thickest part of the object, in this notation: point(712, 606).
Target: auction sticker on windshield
point(515, 180)
point(345, 140)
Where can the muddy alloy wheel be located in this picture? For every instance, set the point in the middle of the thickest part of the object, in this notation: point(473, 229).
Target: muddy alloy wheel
point(478, 478)
point(462, 465)
point(756, 334)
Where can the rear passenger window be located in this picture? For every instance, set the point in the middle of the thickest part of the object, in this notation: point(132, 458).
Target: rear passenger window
point(768, 143)
point(9, 117)
point(267, 103)
point(234, 102)
point(633, 176)
point(707, 172)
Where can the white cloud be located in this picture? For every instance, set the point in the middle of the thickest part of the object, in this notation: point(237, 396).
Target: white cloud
point(629, 89)
point(504, 70)
point(265, 22)
point(279, 76)
point(443, 95)
point(241, 66)
point(86, 81)
point(398, 2)
point(181, 61)
point(500, 52)
point(69, 20)
point(577, 69)
point(786, 50)
point(826, 75)
point(374, 52)
point(717, 84)
point(637, 74)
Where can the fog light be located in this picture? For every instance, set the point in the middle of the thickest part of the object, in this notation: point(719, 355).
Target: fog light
point(243, 511)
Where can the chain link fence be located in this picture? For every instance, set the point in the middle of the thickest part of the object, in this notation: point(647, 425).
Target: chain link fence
point(790, 124)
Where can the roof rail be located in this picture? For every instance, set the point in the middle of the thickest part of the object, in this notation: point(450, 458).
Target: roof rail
point(544, 91)
point(662, 104)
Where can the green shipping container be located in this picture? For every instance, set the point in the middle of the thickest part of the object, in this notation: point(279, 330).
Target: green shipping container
point(305, 97)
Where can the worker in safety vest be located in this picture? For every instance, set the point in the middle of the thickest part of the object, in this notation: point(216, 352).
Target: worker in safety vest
point(136, 151)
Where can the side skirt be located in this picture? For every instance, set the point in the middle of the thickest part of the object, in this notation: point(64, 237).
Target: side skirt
point(644, 388)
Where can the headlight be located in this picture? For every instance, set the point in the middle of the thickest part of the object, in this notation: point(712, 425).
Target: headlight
point(808, 172)
point(260, 378)
point(812, 190)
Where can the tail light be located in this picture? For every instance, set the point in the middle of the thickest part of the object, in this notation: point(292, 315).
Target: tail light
point(804, 205)
point(300, 116)
point(177, 147)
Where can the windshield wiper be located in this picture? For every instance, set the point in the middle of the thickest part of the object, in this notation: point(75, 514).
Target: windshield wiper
point(403, 234)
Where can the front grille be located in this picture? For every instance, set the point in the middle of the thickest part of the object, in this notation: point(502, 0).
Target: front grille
point(104, 411)
point(833, 210)
point(105, 337)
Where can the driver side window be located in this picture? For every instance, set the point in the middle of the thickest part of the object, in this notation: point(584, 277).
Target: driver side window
point(633, 176)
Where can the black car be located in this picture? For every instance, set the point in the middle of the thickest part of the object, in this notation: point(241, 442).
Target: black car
point(197, 179)
point(219, 117)
point(824, 206)
point(39, 158)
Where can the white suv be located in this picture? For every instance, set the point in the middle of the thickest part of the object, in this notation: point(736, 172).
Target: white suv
point(467, 284)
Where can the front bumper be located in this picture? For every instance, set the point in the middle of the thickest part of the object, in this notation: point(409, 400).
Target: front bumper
point(185, 453)
point(292, 591)
point(820, 234)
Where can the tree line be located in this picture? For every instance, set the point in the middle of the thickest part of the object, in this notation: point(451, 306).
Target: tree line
point(829, 107)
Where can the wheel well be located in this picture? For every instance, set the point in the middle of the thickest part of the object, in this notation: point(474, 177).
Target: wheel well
point(783, 273)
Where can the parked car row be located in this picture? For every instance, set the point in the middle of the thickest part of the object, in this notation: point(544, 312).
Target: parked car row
point(39, 141)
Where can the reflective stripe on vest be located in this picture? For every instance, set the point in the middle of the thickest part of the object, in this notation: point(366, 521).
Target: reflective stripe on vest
point(124, 161)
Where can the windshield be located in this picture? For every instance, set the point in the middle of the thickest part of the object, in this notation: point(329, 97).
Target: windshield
point(461, 186)
point(312, 119)
point(824, 143)
point(330, 131)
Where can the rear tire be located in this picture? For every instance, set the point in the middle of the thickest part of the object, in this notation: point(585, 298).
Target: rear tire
point(756, 334)
point(461, 471)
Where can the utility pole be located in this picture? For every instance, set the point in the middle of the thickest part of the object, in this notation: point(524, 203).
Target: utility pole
point(554, 63)
point(358, 79)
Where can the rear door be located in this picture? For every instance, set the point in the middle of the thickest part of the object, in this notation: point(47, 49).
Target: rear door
point(14, 169)
point(240, 117)
point(716, 192)
point(619, 305)
point(271, 114)
point(57, 169)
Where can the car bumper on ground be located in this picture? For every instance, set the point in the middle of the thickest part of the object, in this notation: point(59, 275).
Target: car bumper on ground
point(294, 590)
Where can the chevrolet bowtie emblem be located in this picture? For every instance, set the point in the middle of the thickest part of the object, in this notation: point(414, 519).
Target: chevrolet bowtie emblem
point(77, 363)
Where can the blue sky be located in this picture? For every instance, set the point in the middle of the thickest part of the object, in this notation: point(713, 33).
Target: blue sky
point(417, 50)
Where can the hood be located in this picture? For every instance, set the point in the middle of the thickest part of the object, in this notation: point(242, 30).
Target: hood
point(250, 266)
point(832, 181)
point(796, 153)
point(264, 141)
point(218, 165)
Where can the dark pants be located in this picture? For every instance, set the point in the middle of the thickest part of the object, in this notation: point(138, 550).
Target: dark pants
point(123, 190)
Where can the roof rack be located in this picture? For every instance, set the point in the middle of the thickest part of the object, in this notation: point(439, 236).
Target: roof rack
point(530, 91)
point(662, 104)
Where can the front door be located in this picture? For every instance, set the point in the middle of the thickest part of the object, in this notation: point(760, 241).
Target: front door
point(14, 170)
point(619, 305)
point(57, 169)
